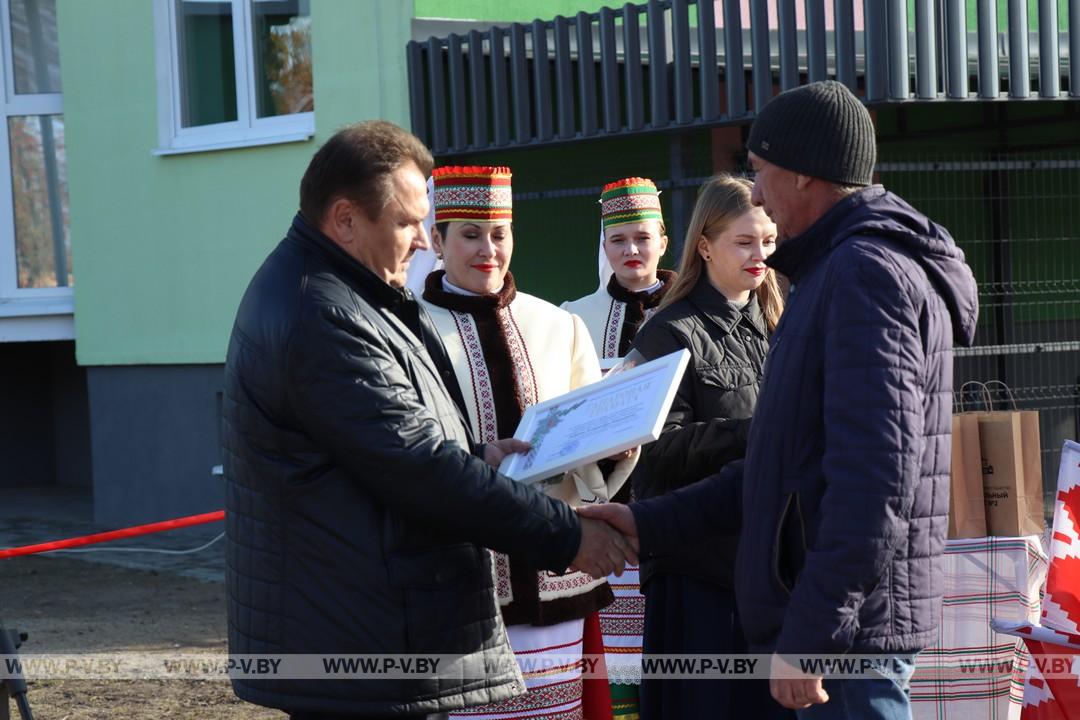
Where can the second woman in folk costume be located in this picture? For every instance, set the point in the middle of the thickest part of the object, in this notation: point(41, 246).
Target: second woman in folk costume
point(510, 350)
point(632, 241)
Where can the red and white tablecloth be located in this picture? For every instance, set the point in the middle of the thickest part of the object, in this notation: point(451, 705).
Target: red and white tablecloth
point(973, 671)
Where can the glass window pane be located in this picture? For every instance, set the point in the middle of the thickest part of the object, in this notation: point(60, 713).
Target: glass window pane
point(207, 62)
point(282, 45)
point(35, 49)
point(40, 199)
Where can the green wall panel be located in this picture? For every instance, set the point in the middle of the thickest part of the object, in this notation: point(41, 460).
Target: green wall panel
point(1003, 15)
point(526, 10)
point(164, 246)
point(518, 11)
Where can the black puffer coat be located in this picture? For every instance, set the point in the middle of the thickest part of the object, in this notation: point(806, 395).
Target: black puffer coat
point(355, 514)
point(707, 424)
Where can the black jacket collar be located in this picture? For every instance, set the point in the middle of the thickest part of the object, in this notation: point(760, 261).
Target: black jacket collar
point(400, 303)
point(712, 303)
point(373, 287)
point(795, 256)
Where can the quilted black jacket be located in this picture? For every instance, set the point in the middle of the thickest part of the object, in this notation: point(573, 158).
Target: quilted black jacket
point(702, 432)
point(356, 518)
point(845, 487)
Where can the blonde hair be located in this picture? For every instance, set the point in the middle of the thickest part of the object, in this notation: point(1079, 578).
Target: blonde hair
point(722, 199)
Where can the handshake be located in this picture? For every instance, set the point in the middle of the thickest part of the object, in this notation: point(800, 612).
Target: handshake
point(609, 540)
point(608, 532)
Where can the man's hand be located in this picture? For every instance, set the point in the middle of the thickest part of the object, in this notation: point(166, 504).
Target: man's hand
point(603, 550)
point(792, 688)
point(617, 516)
point(494, 452)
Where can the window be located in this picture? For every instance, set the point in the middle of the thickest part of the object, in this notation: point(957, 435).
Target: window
point(233, 73)
point(35, 246)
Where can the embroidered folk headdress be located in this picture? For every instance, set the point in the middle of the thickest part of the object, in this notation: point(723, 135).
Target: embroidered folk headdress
point(629, 200)
point(473, 193)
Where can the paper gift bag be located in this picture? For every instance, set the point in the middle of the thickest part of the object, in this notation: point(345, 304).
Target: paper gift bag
point(1012, 472)
point(967, 512)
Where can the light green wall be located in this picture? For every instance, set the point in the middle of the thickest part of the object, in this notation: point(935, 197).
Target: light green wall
point(164, 246)
point(358, 56)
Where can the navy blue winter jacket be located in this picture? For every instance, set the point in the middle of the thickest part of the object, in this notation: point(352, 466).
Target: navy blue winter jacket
point(845, 487)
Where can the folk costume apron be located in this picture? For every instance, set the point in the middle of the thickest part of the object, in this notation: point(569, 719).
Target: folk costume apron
point(510, 350)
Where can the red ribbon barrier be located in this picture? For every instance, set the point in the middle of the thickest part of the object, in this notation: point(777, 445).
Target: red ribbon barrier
point(115, 534)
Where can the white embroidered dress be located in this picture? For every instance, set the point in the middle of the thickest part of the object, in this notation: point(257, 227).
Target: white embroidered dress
point(553, 354)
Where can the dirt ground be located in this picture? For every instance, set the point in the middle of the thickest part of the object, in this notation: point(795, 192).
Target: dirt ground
point(73, 606)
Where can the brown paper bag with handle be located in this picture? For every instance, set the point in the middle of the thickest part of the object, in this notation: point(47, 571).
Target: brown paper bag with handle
point(1010, 447)
point(967, 511)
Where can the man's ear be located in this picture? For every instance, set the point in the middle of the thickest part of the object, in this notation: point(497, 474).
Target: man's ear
point(802, 181)
point(338, 222)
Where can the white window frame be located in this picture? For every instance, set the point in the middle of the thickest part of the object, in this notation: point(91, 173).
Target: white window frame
point(248, 129)
point(15, 302)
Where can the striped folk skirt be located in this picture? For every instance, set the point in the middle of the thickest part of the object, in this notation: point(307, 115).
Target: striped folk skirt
point(622, 624)
point(550, 659)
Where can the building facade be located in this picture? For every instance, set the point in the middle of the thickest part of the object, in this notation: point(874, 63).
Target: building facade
point(155, 150)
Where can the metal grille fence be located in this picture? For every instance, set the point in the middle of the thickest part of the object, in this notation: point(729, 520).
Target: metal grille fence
point(1016, 217)
point(673, 64)
point(1018, 220)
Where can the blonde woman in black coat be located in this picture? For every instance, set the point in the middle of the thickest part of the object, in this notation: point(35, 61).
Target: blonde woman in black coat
point(722, 308)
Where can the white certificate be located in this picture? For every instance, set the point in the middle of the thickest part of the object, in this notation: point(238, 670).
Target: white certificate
point(625, 409)
point(608, 363)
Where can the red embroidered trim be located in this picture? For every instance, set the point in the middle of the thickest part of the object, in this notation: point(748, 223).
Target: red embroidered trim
point(519, 354)
point(483, 395)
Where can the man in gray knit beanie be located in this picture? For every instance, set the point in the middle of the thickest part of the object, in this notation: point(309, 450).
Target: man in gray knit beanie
point(862, 363)
point(819, 131)
point(845, 484)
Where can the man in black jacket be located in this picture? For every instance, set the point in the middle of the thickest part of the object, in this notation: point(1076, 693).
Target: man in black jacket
point(357, 516)
point(844, 491)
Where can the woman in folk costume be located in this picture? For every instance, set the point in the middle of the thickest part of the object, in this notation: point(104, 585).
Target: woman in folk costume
point(632, 241)
point(510, 350)
point(723, 308)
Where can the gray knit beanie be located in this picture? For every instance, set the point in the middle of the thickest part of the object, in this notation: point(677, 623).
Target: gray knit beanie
point(821, 130)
